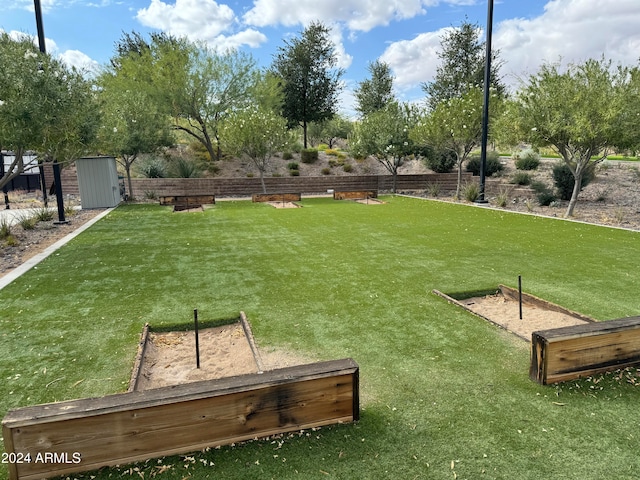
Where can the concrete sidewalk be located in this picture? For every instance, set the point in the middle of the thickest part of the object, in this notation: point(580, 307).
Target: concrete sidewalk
point(33, 261)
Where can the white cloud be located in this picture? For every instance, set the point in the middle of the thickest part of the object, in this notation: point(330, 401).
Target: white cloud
point(414, 61)
point(81, 61)
point(567, 31)
point(570, 31)
point(204, 20)
point(357, 15)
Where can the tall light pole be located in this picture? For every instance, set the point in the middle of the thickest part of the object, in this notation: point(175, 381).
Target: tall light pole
point(485, 107)
point(56, 166)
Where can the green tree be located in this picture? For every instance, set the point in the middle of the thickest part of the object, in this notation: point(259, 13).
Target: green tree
point(310, 79)
point(375, 93)
point(577, 111)
point(256, 133)
point(629, 120)
point(329, 130)
point(44, 106)
point(132, 121)
point(384, 134)
point(455, 125)
point(462, 62)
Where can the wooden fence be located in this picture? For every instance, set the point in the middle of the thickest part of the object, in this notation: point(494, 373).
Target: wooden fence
point(82, 435)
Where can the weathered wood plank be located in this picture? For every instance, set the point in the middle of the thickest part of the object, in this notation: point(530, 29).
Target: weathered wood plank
point(571, 352)
point(276, 197)
point(135, 426)
point(355, 194)
point(188, 200)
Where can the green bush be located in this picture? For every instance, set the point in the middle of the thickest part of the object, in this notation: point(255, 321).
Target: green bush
point(294, 172)
point(182, 168)
point(521, 178)
point(293, 166)
point(326, 171)
point(527, 160)
point(43, 214)
point(565, 181)
point(440, 161)
point(471, 191)
point(544, 194)
point(493, 164)
point(153, 168)
point(27, 222)
point(309, 155)
point(287, 155)
point(323, 146)
point(5, 229)
point(347, 167)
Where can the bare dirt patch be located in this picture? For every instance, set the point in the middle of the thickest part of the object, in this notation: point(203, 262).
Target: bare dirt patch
point(505, 312)
point(170, 357)
point(284, 204)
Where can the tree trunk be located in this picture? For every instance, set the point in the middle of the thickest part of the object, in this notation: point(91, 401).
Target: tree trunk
point(395, 177)
point(264, 186)
point(304, 130)
point(459, 184)
point(127, 168)
point(574, 195)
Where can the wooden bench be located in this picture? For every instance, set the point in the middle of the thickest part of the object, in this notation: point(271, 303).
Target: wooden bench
point(184, 202)
point(276, 197)
point(355, 194)
point(568, 353)
point(87, 434)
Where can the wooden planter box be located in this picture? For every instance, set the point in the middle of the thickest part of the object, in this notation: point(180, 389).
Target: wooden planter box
point(276, 197)
point(81, 435)
point(188, 200)
point(355, 195)
point(568, 353)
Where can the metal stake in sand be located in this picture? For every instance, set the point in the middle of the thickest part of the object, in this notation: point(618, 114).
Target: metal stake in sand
point(195, 321)
point(520, 294)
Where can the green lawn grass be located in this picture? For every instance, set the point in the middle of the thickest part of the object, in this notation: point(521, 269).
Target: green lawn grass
point(444, 394)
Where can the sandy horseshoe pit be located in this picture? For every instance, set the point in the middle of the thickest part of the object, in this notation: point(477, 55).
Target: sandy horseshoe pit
point(502, 308)
point(169, 358)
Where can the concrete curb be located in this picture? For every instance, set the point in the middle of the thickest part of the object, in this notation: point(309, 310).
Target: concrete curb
point(36, 259)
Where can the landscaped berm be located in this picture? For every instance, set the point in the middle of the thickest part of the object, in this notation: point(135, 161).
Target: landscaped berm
point(345, 288)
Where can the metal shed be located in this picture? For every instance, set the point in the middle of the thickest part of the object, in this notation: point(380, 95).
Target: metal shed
point(98, 182)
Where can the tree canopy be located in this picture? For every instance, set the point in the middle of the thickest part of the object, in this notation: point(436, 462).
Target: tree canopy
point(462, 56)
point(45, 106)
point(375, 93)
point(578, 111)
point(307, 67)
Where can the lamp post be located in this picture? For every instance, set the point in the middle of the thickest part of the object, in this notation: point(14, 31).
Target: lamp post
point(56, 166)
point(485, 107)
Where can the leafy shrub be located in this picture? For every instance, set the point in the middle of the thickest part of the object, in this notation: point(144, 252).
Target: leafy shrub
point(347, 167)
point(544, 194)
point(565, 181)
point(527, 160)
point(309, 155)
point(323, 147)
point(27, 222)
point(287, 155)
point(333, 163)
point(502, 198)
point(471, 191)
point(182, 168)
point(493, 164)
point(294, 172)
point(434, 189)
point(440, 161)
point(5, 229)
point(153, 168)
point(326, 171)
point(521, 178)
point(332, 152)
point(293, 166)
point(43, 214)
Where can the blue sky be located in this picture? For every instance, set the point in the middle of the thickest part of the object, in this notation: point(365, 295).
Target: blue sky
point(404, 33)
